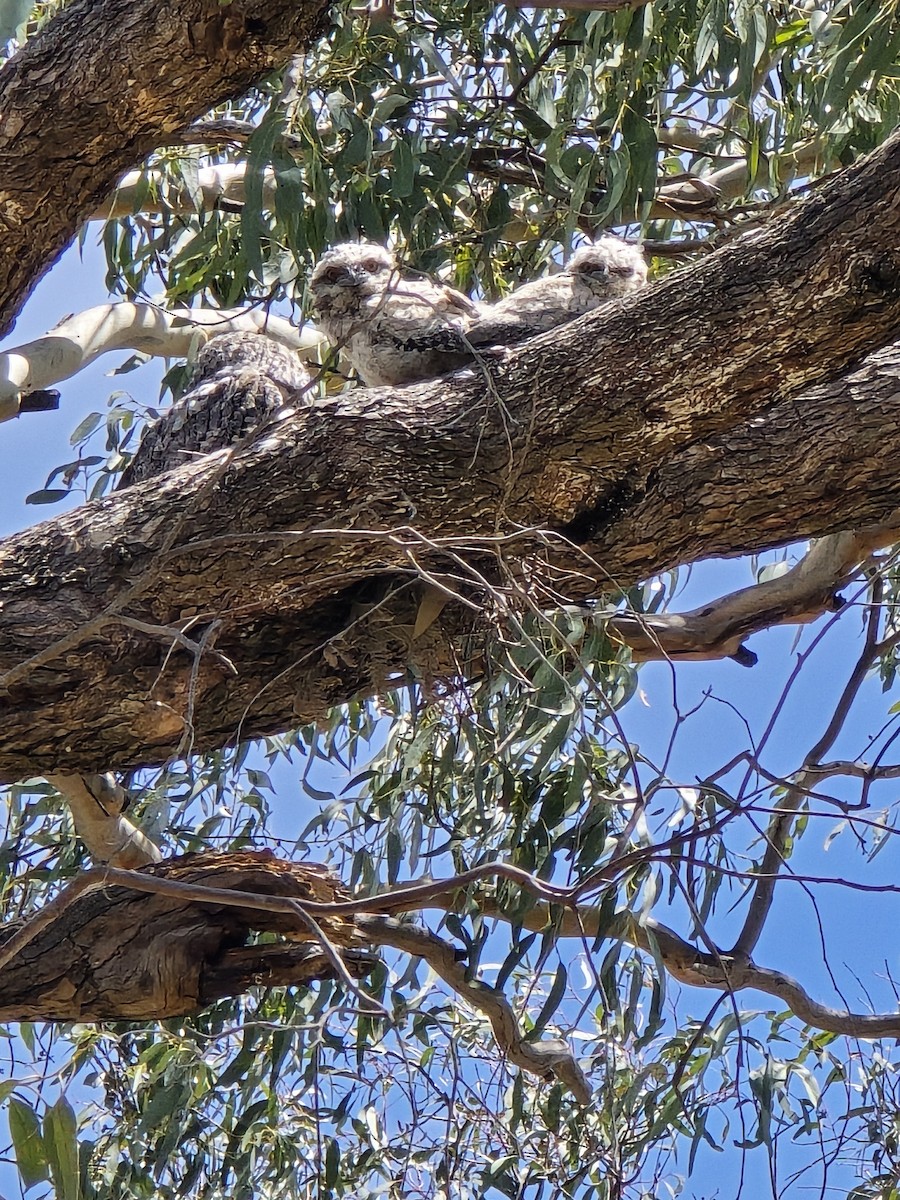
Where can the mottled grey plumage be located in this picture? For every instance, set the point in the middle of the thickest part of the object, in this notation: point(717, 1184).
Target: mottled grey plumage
point(393, 330)
point(238, 381)
point(595, 274)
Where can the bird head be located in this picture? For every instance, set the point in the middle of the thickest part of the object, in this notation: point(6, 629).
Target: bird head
point(610, 266)
point(359, 269)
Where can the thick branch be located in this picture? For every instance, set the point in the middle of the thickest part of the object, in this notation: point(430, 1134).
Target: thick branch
point(104, 950)
point(706, 193)
point(102, 85)
point(630, 453)
point(183, 944)
point(169, 939)
point(694, 196)
point(166, 940)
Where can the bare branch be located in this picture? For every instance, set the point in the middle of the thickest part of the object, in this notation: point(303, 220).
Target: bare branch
point(700, 968)
point(733, 180)
point(548, 1059)
point(96, 802)
point(79, 340)
point(781, 824)
point(719, 627)
point(852, 770)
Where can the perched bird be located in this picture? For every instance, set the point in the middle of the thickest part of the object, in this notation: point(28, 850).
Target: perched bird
point(596, 273)
point(238, 381)
point(393, 330)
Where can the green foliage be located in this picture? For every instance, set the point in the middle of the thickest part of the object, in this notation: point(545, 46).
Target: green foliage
point(483, 139)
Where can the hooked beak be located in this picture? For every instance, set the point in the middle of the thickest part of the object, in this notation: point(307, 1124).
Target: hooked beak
point(351, 277)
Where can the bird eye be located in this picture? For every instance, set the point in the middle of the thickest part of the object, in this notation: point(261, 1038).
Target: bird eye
point(373, 264)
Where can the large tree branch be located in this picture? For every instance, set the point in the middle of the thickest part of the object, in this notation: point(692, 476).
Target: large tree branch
point(833, 443)
point(607, 450)
point(167, 940)
point(70, 959)
point(103, 84)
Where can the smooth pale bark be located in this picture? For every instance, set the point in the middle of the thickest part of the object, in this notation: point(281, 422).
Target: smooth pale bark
point(227, 182)
point(718, 628)
point(97, 803)
point(639, 437)
point(104, 84)
point(224, 181)
point(80, 339)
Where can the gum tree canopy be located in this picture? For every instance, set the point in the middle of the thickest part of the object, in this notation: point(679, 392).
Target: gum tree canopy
point(351, 849)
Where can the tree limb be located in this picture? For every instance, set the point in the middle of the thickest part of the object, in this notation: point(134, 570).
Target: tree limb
point(581, 452)
point(190, 913)
point(718, 628)
point(102, 927)
point(700, 968)
point(78, 340)
point(223, 181)
point(549, 1058)
point(96, 803)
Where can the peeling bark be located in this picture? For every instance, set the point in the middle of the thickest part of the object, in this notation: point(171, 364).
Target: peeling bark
point(116, 954)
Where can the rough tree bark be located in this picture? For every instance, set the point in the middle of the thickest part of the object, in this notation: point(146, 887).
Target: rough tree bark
point(104, 84)
point(170, 939)
point(690, 420)
point(122, 954)
point(660, 432)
